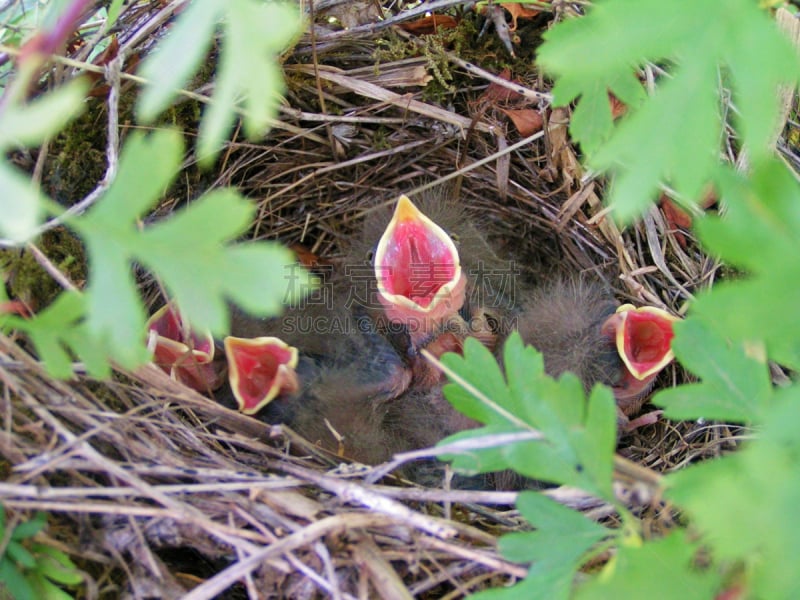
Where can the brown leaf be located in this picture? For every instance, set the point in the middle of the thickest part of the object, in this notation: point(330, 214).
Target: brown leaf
point(678, 219)
point(618, 107)
point(498, 94)
point(430, 24)
point(306, 257)
point(15, 307)
point(519, 11)
point(527, 120)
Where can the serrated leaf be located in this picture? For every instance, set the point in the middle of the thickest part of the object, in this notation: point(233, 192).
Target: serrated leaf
point(561, 536)
point(147, 165)
point(760, 232)
point(59, 329)
point(645, 144)
point(116, 316)
point(553, 584)
point(744, 504)
point(192, 252)
point(20, 205)
point(675, 134)
point(30, 124)
point(662, 568)
point(249, 274)
point(762, 224)
point(483, 449)
point(734, 387)
point(177, 57)
point(267, 277)
point(478, 359)
point(578, 435)
point(269, 27)
point(559, 545)
point(247, 72)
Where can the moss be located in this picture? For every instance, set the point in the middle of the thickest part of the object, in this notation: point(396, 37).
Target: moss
point(29, 282)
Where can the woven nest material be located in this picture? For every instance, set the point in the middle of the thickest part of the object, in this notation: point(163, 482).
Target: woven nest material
point(160, 491)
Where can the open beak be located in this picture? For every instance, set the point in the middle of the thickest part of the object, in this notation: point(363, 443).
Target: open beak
point(417, 268)
point(259, 370)
point(643, 337)
point(186, 355)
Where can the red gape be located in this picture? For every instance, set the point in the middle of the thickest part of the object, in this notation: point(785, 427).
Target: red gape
point(259, 370)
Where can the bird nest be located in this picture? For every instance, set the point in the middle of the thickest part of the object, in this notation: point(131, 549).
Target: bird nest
point(156, 490)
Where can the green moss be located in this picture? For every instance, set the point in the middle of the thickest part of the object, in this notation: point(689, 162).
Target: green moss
point(29, 282)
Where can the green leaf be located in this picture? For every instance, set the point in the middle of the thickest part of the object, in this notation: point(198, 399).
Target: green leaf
point(114, 10)
point(20, 205)
point(744, 504)
point(56, 565)
point(192, 252)
point(762, 223)
point(562, 535)
point(60, 329)
point(30, 124)
point(674, 135)
point(579, 436)
point(538, 585)
point(659, 569)
point(20, 555)
point(478, 359)
point(671, 114)
point(560, 544)
point(29, 528)
point(483, 449)
point(177, 57)
point(249, 274)
point(734, 388)
point(13, 581)
point(45, 590)
point(116, 316)
point(248, 76)
point(760, 233)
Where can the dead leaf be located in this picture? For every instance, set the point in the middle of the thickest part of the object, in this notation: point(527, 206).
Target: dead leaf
point(15, 307)
point(499, 94)
point(430, 24)
point(618, 107)
point(678, 219)
point(306, 257)
point(527, 120)
point(519, 11)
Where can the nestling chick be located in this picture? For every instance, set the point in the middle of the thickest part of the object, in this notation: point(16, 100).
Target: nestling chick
point(578, 327)
point(436, 276)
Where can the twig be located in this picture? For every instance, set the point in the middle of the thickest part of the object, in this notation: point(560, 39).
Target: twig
point(224, 579)
point(352, 492)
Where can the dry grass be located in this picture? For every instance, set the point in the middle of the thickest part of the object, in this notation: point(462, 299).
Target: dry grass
point(161, 491)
